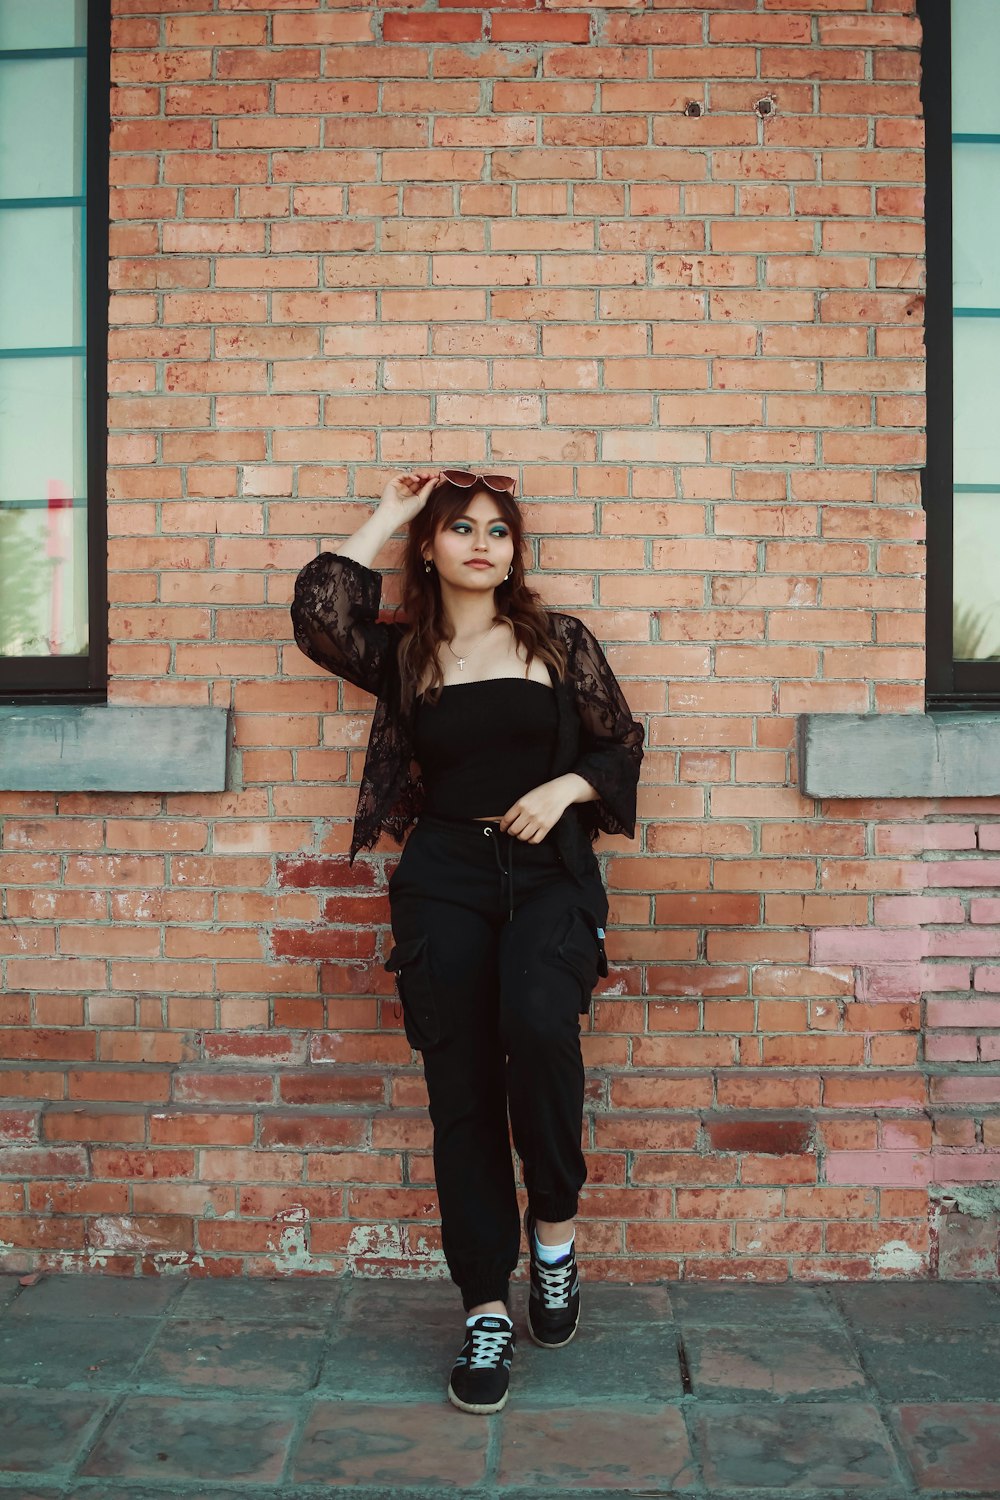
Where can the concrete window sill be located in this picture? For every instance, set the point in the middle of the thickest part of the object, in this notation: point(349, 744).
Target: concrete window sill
point(899, 755)
point(107, 747)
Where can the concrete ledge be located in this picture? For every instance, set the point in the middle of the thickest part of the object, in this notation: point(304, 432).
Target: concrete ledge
point(899, 755)
point(104, 747)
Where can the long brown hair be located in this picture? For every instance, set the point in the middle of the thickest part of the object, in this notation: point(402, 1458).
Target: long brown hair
point(423, 607)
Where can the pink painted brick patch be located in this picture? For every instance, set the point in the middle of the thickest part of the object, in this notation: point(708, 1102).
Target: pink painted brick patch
point(967, 1166)
point(963, 1013)
point(951, 1047)
point(880, 1168)
point(964, 942)
point(968, 1088)
point(838, 945)
point(964, 873)
point(910, 911)
point(893, 982)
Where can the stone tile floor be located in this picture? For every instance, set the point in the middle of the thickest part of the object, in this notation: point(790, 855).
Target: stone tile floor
point(152, 1389)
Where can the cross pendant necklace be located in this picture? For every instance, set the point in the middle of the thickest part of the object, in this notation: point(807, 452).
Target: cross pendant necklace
point(461, 659)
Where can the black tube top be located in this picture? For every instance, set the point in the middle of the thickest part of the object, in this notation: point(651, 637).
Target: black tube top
point(484, 744)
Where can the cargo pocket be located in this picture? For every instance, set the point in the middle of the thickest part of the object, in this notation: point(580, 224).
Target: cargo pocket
point(582, 951)
point(410, 962)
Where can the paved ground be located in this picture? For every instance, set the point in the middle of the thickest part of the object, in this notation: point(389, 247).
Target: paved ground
point(160, 1388)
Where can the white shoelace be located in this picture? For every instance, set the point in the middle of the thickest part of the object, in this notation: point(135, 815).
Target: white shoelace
point(487, 1347)
point(555, 1282)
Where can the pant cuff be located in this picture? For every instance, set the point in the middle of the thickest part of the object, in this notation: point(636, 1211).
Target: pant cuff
point(485, 1289)
point(552, 1209)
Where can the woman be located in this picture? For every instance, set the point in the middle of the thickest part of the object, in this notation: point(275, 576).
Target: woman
point(500, 728)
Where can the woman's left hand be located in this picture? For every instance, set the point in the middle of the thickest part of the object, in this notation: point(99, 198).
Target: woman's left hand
point(533, 815)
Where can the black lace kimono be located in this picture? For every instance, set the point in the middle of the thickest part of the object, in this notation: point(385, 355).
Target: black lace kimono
point(335, 621)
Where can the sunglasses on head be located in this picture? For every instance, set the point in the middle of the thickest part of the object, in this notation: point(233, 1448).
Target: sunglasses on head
point(465, 478)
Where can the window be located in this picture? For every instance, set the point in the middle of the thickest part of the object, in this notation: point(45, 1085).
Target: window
point(54, 112)
point(961, 63)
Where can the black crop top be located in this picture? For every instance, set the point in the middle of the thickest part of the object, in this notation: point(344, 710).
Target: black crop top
point(484, 744)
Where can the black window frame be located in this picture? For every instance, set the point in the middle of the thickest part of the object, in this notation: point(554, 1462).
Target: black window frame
point(951, 684)
point(84, 679)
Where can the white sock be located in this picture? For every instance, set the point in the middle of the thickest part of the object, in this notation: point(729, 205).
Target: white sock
point(548, 1254)
point(473, 1316)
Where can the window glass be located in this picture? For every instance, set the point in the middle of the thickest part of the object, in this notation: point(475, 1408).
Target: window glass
point(43, 377)
point(41, 290)
point(976, 222)
point(975, 45)
point(977, 554)
point(43, 533)
point(43, 581)
point(43, 23)
point(41, 127)
point(976, 392)
point(975, 34)
point(42, 428)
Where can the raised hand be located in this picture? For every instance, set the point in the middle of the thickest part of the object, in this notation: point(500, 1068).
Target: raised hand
point(406, 494)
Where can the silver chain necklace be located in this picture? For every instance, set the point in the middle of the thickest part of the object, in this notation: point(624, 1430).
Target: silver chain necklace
point(461, 659)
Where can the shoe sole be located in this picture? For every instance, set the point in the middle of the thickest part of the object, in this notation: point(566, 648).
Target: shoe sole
point(478, 1408)
point(545, 1344)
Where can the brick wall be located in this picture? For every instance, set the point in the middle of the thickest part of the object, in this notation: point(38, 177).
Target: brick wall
point(348, 242)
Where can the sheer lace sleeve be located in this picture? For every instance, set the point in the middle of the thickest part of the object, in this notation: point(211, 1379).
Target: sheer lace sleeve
point(335, 619)
point(610, 741)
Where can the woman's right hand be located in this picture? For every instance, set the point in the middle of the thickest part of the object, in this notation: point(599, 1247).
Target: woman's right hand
point(406, 495)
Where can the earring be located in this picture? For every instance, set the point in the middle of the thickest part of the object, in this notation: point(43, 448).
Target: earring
point(428, 565)
point(508, 572)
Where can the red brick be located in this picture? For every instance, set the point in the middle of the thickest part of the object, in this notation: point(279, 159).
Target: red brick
point(778, 1137)
point(216, 31)
point(811, 62)
point(215, 954)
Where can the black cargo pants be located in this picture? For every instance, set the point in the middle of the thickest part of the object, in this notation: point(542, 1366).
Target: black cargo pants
point(496, 954)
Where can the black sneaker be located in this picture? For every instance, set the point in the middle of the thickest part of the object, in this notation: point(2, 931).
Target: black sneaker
point(480, 1375)
point(554, 1298)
